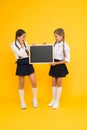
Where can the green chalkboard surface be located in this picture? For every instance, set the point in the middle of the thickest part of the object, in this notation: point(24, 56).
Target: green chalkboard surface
point(41, 54)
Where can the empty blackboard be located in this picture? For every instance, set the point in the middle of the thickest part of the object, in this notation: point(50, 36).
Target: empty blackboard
point(41, 54)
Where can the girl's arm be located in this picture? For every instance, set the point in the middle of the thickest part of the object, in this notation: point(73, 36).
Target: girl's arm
point(57, 63)
point(20, 52)
point(67, 57)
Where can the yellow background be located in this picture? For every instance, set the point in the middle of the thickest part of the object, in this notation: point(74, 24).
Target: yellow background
point(39, 18)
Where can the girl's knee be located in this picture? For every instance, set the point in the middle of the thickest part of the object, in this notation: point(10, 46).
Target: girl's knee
point(59, 84)
point(54, 83)
point(34, 84)
point(21, 84)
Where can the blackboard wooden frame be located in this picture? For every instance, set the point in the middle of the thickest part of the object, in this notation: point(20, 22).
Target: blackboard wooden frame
point(42, 46)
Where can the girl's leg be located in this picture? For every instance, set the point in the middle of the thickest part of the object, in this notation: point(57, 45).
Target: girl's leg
point(54, 82)
point(58, 92)
point(34, 89)
point(21, 91)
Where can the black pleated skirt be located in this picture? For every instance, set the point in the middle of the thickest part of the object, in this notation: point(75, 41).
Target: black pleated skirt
point(23, 67)
point(58, 70)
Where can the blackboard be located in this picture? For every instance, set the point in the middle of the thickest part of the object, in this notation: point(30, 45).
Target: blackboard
point(41, 54)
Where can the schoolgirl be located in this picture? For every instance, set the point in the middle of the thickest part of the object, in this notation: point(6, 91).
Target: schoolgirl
point(58, 68)
point(21, 52)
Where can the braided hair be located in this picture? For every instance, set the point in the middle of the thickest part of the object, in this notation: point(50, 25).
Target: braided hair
point(19, 33)
point(60, 32)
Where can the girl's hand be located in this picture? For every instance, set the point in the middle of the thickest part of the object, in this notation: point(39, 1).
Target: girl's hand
point(33, 44)
point(44, 43)
point(27, 51)
point(53, 63)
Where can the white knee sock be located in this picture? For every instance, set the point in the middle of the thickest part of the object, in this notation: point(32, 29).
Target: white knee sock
point(54, 96)
point(54, 89)
point(58, 93)
point(34, 90)
point(35, 102)
point(21, 95)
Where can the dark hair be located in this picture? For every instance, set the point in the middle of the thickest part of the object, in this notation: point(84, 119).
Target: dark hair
point(19, 33)
point(60, 32)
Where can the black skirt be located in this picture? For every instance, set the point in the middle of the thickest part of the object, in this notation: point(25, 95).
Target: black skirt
point(23, 67)
point(58, 70)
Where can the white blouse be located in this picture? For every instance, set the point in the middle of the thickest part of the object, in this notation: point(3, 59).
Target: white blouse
point(58, 51)
point(19, 52)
